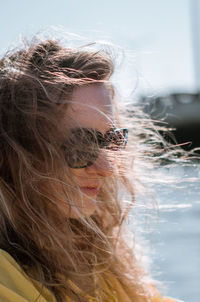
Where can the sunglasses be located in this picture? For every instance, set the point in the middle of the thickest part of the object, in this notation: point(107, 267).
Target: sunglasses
point(83, 145)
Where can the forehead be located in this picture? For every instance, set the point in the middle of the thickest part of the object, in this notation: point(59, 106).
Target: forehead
point(91, 107)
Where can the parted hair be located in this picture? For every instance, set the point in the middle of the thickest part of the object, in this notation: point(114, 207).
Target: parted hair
point(36, 84)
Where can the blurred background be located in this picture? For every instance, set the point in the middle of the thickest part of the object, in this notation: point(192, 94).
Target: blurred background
point(162, 40)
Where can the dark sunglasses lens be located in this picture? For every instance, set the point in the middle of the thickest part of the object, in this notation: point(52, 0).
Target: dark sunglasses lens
point(77, 159)
point(81, 148)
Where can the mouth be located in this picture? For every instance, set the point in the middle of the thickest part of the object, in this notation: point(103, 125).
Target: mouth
point(90, 190)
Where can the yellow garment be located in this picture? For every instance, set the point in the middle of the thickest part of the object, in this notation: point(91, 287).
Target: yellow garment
point(15, 286)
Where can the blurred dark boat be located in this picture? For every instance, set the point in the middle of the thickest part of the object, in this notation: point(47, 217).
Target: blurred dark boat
point(180, 111)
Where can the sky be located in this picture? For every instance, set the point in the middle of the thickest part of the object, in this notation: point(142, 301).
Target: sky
point(154, 34)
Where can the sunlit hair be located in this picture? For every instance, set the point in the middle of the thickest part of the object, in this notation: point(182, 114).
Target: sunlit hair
point(36, 84)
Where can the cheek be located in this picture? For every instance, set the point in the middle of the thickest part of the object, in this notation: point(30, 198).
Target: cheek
point(78, 175)
point(117, 161)
point(84, 206)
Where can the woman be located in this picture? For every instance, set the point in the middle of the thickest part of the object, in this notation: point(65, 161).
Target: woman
point(63, 170)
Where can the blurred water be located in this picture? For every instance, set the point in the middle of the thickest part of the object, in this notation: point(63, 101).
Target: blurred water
point(175, 236)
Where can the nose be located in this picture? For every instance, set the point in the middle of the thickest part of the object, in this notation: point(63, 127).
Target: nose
point(101, 167)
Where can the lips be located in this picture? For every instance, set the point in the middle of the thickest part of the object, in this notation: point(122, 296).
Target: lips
point(90, 190)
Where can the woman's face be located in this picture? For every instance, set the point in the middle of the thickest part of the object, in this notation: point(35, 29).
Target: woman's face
point(91, 107)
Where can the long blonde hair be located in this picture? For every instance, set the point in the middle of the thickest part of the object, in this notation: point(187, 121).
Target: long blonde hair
point(34, 84)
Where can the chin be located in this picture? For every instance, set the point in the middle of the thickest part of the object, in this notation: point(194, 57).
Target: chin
point(86, 207)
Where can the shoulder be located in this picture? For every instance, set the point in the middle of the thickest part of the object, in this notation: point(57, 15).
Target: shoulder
point(15, 284)
point(167, 299)
point(109, 281)
point(157, 297)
